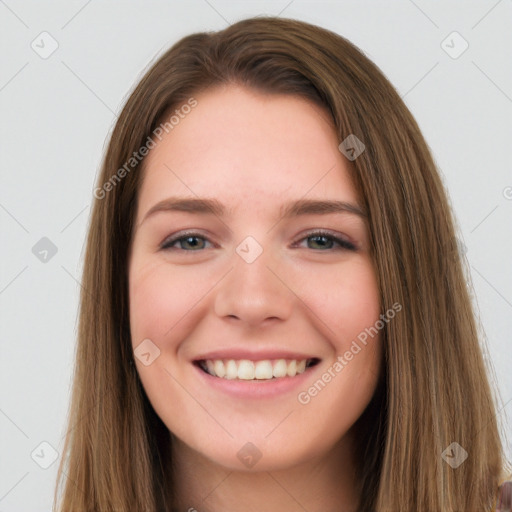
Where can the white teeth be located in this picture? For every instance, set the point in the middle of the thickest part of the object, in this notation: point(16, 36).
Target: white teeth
point(218, 368)
point(280, 368)
point(263, 370)
point(292, 368)
point(249, 370)
point(231, 370)
point(245, 370)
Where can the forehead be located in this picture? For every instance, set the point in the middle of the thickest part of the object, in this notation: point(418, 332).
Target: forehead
point(248, 148)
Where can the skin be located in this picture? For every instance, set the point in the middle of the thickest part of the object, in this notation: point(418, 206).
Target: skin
point(254, 152)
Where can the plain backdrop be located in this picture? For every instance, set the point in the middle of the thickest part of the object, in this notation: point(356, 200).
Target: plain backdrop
point(58, 109)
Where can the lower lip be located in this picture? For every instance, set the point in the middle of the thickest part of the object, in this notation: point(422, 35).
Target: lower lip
point(256, 388)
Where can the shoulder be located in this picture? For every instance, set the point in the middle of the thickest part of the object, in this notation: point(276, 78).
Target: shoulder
point(504, 501)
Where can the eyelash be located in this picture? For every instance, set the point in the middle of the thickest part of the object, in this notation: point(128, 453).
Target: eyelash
point(343, 244)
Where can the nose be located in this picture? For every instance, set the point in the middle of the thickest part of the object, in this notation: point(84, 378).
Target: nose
point(254, 293)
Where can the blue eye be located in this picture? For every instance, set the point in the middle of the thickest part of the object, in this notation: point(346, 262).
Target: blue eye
point(324, 237)
point(190, 238)
point(326, 241)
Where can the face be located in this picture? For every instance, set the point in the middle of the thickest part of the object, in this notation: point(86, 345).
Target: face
point(244, 313)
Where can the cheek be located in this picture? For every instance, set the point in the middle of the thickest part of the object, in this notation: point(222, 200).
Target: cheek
point(159, 298)
point(349, 305)
point(346, 300)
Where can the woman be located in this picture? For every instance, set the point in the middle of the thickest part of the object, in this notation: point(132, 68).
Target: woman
point(274, 314)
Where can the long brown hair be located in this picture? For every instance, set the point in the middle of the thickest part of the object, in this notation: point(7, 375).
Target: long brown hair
point(435, 387)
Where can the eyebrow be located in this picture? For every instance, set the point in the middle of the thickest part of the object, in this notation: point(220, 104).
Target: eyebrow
point(292, 209)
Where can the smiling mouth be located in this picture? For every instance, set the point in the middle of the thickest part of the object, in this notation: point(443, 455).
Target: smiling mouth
point(244, 369)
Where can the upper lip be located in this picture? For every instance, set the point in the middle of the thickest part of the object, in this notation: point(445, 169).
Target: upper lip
point(261, 355)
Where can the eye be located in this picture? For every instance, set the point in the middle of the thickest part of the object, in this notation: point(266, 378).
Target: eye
point(325, 241)
point(189, 239)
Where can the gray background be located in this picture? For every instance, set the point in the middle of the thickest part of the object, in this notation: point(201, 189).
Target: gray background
point(56, 115)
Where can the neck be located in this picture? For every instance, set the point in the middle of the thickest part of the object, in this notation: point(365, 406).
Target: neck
point(326, 482)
